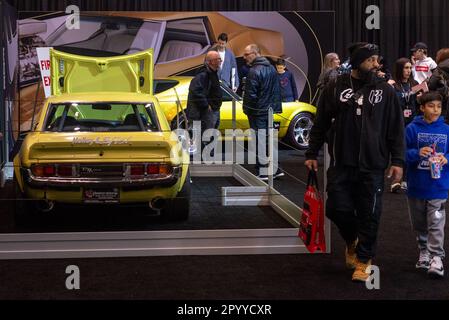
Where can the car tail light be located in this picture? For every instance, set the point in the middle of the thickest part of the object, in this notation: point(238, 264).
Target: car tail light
point(165, 169)
point(159, 168)
point(148, 169)
point(137, 170)
point(65, 170)
point(153, 168)
point(43, 170)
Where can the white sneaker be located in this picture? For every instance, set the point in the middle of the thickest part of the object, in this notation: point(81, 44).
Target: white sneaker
point(436, 268)
point(423, 261)
point(279, 174)
point(404, 185)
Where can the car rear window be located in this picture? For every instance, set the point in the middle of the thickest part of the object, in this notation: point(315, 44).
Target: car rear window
point(163, 85)
point(101, 117)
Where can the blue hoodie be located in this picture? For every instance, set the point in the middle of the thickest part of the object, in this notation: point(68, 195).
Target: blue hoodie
point(421, 134)
point(289, 92)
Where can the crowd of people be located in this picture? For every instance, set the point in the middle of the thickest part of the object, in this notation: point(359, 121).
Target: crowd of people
point(266, 86)
point(372, 119)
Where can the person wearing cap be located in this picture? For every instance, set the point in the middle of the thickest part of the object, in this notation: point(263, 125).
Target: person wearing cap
point(422, 64)
point(359, 115)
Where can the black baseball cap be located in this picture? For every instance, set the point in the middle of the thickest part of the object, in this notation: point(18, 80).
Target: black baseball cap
point(419, 45)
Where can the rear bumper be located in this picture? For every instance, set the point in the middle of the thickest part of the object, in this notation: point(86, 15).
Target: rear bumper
point(76, 195)
point(125, 182)
point(72, 191)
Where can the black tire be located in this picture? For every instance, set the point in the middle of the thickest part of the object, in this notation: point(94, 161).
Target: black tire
point(178, 209)
point(299, 131)
point(22, 207)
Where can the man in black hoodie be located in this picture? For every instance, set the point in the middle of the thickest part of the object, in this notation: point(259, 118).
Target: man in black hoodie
point(205, 95)
point(361, 117)
point(262, 91)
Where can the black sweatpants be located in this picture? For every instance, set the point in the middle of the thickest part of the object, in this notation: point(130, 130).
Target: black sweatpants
point(354, 204)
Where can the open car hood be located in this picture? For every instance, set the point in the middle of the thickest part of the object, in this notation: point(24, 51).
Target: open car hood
point(72, 73)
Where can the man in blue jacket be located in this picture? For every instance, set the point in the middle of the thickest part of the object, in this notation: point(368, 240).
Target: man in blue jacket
point(228, 72)
point(262, 92)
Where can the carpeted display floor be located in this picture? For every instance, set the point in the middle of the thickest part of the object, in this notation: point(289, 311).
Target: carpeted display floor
point(277, 277)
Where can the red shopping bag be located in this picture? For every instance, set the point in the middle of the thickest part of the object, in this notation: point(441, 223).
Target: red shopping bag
point(311, 227)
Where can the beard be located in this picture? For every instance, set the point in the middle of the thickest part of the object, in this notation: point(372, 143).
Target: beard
point(367, 76)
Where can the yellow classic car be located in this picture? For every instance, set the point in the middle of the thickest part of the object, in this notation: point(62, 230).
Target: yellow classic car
point(294, 123)
point(102, 137)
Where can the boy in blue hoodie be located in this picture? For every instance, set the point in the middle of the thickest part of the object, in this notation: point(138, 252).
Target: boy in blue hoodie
point(289, 93)
point(427, 136)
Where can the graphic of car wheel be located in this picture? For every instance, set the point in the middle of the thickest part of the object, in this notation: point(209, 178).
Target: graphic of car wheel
point(299, 130)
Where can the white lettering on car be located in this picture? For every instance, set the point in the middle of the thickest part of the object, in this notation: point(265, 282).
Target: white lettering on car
point(100, 141)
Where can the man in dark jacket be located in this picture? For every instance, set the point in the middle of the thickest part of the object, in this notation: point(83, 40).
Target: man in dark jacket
point(262, 92)
point(367, 133)
point(205, 95)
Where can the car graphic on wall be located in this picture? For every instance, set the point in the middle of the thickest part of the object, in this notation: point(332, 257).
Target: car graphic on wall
point(179, 41)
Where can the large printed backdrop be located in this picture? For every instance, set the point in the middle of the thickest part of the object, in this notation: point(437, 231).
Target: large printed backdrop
point(179, 39)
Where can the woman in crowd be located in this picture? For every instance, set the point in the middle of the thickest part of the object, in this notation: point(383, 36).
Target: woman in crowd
point(329, 73)
point(403, 83)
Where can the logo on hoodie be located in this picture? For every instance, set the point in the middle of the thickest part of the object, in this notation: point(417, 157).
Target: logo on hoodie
point(375, 96)
point(427, 140)
point(346, 95)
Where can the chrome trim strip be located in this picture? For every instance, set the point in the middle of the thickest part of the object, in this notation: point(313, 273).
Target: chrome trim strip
point(103, 181)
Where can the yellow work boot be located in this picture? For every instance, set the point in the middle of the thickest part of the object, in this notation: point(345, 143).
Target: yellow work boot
point(350, 255)
point(362, 271)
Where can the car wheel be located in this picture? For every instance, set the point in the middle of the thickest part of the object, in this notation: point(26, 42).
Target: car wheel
point(22, 207)
point(178, 209)
point(299, 130)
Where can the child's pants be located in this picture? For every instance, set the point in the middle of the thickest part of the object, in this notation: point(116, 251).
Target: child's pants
point(428, 218)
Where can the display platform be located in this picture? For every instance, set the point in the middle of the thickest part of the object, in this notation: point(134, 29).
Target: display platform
point(212, 228)
point(206, 213)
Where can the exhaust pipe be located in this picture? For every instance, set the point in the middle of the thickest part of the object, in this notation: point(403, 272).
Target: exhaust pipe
point(157, 203)
point(45, 205)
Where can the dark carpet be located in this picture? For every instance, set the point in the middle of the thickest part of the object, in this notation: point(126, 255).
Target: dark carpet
point(274, 277)
point(206, 213)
